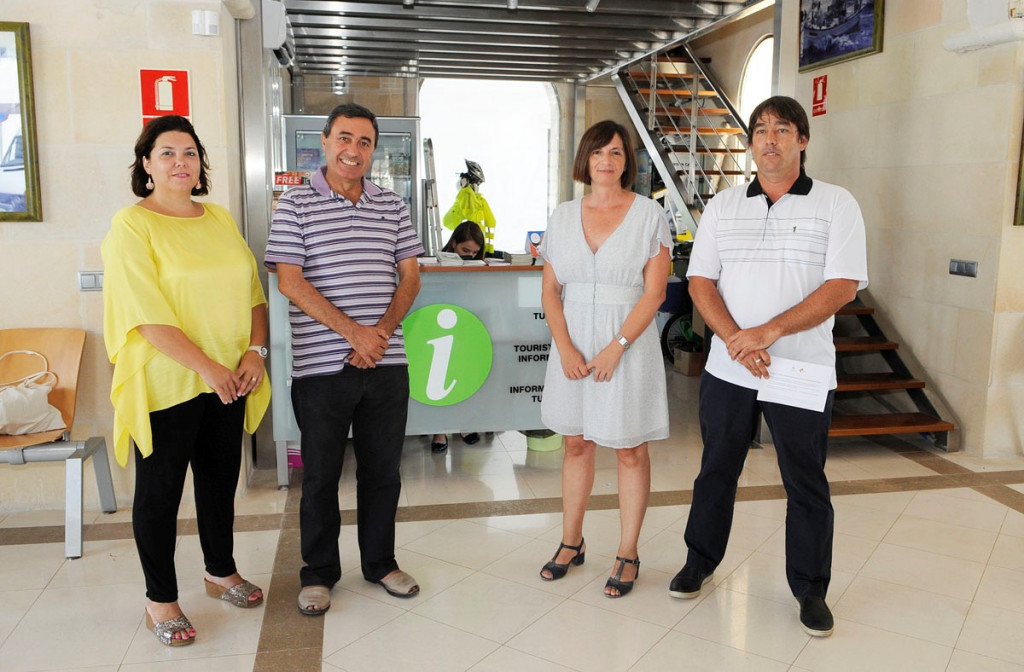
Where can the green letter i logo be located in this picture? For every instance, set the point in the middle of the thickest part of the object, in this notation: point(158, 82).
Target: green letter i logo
point(450, 354)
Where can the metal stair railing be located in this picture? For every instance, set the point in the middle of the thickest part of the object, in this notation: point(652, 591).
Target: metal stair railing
point(657, 148)
point(684, 117)
point(734, 113)
point(692, 111)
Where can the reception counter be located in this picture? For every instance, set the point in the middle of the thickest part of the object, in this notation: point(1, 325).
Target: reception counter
point(458, 391)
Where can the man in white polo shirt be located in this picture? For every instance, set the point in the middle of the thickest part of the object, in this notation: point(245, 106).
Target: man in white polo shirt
point(336, 244)
point(771, 264)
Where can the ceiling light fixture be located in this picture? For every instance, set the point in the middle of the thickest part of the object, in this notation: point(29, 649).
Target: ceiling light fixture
point(513, 4)
point(592, 5)
point(408, 3)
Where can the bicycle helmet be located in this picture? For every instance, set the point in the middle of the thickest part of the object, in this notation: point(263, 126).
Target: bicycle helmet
point(474, 173)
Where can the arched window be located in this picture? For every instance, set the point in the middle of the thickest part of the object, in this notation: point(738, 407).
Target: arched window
point(756, 82)
point(510, 129)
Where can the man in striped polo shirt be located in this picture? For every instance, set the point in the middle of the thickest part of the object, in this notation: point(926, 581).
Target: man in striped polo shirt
point(336, 244)
point(772, 263)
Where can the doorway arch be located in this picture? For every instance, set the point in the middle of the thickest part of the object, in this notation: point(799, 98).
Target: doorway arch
point(756, 80)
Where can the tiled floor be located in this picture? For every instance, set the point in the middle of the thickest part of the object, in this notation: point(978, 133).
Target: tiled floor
point(928, 574)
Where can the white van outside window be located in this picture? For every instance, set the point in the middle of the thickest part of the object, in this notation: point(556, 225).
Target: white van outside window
point(12, 166)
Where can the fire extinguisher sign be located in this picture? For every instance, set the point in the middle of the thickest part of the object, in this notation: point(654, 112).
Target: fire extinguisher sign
point(164, 92)
point(819, 99)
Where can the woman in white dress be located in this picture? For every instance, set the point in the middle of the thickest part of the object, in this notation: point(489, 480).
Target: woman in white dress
point(607, 262)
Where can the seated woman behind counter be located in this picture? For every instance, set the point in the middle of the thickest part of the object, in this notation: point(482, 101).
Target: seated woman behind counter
point(467, 241)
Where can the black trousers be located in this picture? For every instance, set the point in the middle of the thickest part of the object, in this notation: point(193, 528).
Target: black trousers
point(375, 404)
point(206, 434)
point(728, 421)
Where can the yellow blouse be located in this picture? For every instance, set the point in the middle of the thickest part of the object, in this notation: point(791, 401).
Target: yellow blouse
point(194, 273)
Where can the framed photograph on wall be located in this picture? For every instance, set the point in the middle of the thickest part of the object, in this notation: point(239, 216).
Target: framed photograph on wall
point(832, 31)
point(19, 162)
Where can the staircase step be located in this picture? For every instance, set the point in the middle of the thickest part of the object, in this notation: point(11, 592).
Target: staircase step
point(863, 344)
point(704, 93)
point(887, 423)
point(680, 58)
point(645, 74)
point(683, 113)
point(716, 172)
point(683, 149)
point(858, 382)
point(851, 309)
point(701, 130)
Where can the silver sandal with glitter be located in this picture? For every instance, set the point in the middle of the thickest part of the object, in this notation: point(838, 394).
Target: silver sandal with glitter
point(164, 630)
point(237, 595)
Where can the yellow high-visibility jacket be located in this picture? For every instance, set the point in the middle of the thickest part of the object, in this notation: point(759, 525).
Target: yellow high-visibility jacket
point(470, 204)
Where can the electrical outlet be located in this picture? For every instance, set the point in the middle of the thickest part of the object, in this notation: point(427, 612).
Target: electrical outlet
point(1016, 9)
point(963, 267)
point(90, 281)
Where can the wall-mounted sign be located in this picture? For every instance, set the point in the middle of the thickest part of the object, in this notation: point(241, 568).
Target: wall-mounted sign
point(164, 92)
point(290, 178)
point(820, 96)
point(450, 354)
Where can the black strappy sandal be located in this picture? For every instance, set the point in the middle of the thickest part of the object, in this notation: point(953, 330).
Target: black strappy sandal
point(558, 570)
point(437, 446)
point(616, 581)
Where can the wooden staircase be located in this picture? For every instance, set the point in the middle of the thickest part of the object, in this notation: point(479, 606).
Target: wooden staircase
point(697, 142)
point(878, 386)
point(690, 129)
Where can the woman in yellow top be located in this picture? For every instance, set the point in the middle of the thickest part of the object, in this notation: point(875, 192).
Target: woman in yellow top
point(185, 325)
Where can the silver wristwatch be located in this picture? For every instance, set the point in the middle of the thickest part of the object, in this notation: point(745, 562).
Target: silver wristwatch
point(260, 350)
point(623, 341)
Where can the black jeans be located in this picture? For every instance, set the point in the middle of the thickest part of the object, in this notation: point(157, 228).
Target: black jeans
point(374, 403)
point(728, 422)
point(207, 434)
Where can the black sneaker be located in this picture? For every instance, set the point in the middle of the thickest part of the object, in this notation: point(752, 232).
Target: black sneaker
point(815, 617)
point(688, 582)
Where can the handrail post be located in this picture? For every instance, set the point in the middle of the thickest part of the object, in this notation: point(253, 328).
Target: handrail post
point(653, 95)
point(693, 141)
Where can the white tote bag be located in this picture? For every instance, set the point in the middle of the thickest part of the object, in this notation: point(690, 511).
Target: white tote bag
point(24, 403)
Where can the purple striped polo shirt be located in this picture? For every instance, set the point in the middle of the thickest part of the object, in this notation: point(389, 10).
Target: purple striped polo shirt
point(348, 252)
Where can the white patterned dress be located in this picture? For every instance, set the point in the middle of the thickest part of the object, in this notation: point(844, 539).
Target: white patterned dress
point(599, 291)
